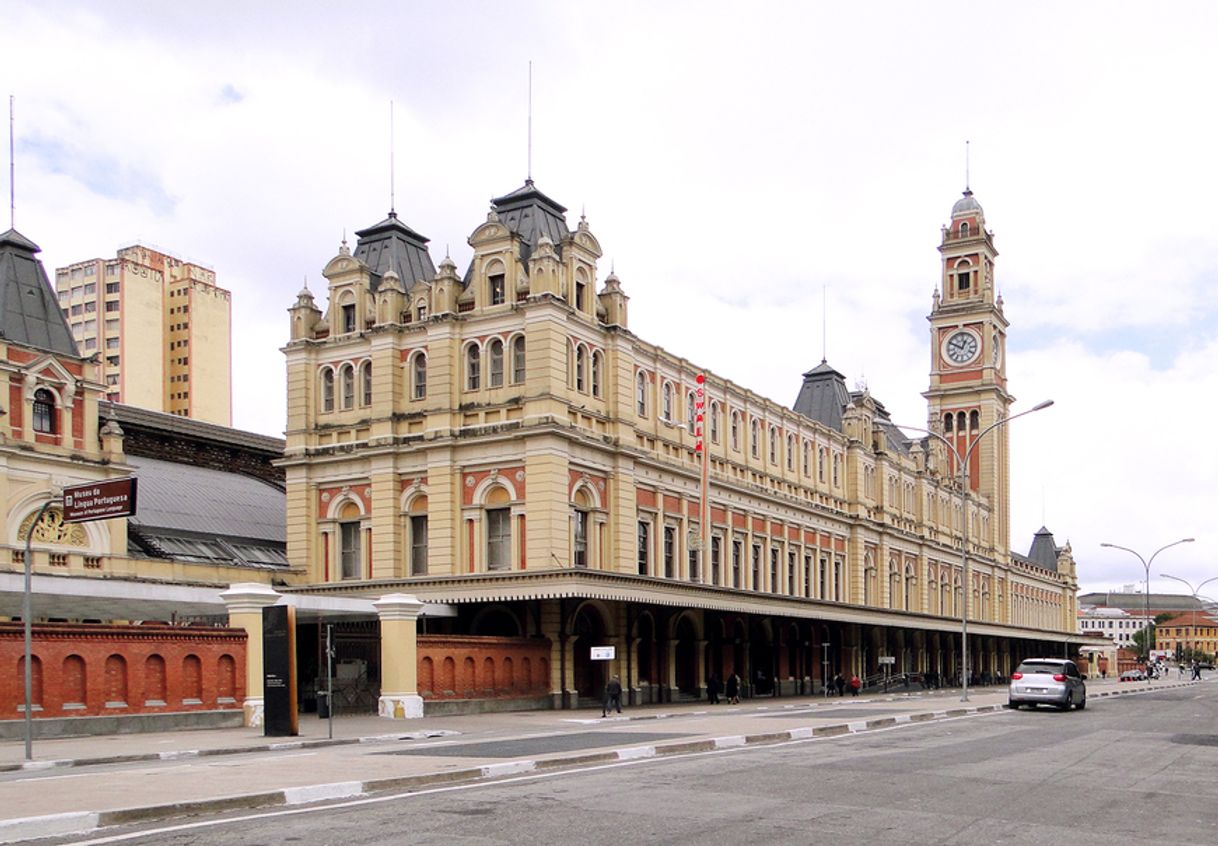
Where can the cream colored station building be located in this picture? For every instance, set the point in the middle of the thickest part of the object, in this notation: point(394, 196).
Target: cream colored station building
point(498, 440)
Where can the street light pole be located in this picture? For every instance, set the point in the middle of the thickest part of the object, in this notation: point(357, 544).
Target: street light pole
point(1146, 604)
point(962, 462)
point(1196, 602)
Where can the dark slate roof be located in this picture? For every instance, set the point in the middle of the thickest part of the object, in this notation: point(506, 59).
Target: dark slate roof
point(823, 396)
point(29, 311)
point(1135, 603)
point(897, 440)
point(1044, 550)
point(529, 213)
point(393, 244)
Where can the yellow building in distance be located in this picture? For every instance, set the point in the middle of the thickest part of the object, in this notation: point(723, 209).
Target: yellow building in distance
point(160, 326)
point(500, 441)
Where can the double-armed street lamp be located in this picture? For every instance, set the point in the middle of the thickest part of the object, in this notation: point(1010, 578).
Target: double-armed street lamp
point(1146, 565)
point(962, 464)
point(1196, 601)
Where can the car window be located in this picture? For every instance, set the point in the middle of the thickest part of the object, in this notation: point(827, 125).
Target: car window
point(1038, 667)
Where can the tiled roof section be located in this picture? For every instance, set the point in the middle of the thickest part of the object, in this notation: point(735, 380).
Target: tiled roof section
point(185, 500)
point(29, 311)
point(823, 396)
point(1044, 550)
point(531, 214)
point(195, 430)
point(393, 244)
point(1134, 603)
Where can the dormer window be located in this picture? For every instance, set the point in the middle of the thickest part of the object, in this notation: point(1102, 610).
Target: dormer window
point(498, 289)
point(420, 311)
point(44, 411)
point(348, 318)
point(580, 294)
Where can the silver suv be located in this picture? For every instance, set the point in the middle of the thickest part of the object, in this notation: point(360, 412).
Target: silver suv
point(1052, 681)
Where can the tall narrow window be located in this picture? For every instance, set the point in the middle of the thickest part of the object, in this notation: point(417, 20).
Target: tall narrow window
point(418, 545)
point(327, 390)
point(775, 582)
point(349, 549)
point(640, 394)
point(420, 376)
point(716, 559)
point(737, 554)
point(644, 551)
point(473, 369)
point(837, 580)
point(791, 452)
point(773, 445)
point(807, 458)
point(791, 573)
point(581, 368)
point(348, 382)
point(808, 576)
point(495, 363)
point(691, 412)
point(581, 295)
point(498, 289)
point(518, 360)
point(498, 539)
point(756, 585)
point(365, 373)
point(736, 431)
point(597, 366)
point(349, 318)
point(580, 550)
point(714, 422)
point(694, 557)
point(670, 551)
point(44, 411)
point(666, 402)
point(754, 438)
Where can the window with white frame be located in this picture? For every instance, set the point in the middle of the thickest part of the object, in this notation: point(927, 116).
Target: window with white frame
point(498, 539)
point(495, 363)
point(419, 376)
point(473, 368)
point(518, 360)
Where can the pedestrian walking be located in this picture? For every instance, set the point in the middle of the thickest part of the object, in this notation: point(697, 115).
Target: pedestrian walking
point(613, 697)
point(712, 690)
point(856, 684)
point(733, 689)
point(839, 684)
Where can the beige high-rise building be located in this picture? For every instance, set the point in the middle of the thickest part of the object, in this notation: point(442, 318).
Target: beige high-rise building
point(160, 326)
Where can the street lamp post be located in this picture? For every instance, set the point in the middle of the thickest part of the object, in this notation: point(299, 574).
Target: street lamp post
point(962, 462)
point(1146, 564)
point(1196, 601)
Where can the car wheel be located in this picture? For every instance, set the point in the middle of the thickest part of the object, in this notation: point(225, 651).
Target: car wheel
point(1014, 706)
point(1082, 703)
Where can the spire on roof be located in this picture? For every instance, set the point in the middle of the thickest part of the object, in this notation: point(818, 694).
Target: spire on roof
point(29, 310)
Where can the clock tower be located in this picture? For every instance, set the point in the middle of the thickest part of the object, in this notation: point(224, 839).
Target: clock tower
point(968, 382)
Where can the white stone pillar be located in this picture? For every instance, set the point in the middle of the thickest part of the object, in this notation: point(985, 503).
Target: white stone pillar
point(399, 614)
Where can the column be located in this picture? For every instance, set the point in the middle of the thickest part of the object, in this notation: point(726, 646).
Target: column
point(245, 602)
point(399, 614)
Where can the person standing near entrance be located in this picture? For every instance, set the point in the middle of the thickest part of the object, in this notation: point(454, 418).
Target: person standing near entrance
point(613, 696)
point(855, 685)
point(733, 689)
point(712, 690)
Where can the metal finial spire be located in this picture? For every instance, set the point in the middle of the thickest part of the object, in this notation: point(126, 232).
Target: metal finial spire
point(824, 324)
point(12, 190)
point(529, 168)
point(392, 180)
point(966, 167)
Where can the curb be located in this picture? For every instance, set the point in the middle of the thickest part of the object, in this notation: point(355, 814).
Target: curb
point(84, 822)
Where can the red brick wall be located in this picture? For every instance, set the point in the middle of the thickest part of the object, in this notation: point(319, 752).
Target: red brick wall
point(90, 670)
point(457, 667)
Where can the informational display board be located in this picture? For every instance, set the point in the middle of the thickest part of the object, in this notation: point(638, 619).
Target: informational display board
point(279, 715)
point(604, 653)
point(888, 659)
point(99, 500)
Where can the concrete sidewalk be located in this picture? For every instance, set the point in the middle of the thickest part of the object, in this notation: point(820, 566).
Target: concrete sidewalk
point(216, 770)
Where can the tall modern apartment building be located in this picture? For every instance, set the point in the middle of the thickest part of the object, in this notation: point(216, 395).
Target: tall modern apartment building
point(160, 326)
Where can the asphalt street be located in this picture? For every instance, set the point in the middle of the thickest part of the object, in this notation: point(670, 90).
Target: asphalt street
point(1129, 769)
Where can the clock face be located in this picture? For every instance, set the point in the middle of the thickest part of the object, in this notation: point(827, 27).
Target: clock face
point(961, 347)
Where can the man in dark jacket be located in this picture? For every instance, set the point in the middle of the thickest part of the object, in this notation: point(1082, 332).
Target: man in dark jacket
point(613, 697)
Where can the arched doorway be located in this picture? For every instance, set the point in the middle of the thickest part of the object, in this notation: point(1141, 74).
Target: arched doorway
point(686, 669)
point(762, 659)
point(589, 677)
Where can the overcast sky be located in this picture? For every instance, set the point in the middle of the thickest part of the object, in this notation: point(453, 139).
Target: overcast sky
point(740, 163)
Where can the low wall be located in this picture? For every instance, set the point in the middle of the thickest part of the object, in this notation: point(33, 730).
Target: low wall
point(453, 667)
point(101, 670)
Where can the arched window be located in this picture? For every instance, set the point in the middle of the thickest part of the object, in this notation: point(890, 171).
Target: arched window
point(495, 363)
point(365, 373)
point(837, 462)
point(736, 431)
point(790, 452)
point(419, 375)
point(518, 360)
point(691, 412)
point(714, 422)
point(666, 402)
point(597, 367)
point(327, 390)
point(947, 423)
point(821, 465)
point(807, 458)
point(964, 229)
point(960, 421)
point(44, 411)
point(347, 378)
point(420, 310)
point(473, 368)
point(974, 421)
point(963, 276)
point(640, 393)
point(581, 368)
point(754, 438)
point(498, 289)
point(773, 433)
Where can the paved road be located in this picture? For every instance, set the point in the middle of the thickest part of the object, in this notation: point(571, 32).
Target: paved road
point(1129, 769)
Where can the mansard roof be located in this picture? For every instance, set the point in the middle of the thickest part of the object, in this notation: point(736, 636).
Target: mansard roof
point(392, 244)
point(823, 396)
point(29, 310)
point(529, 213)
point(1044, 550)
